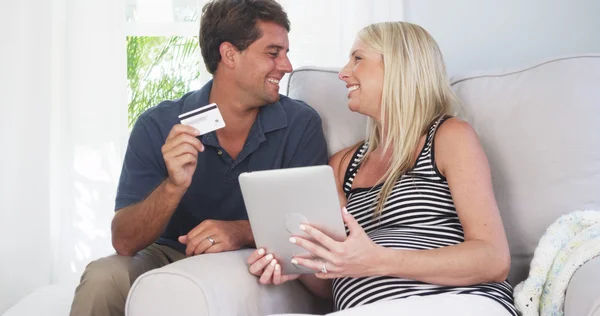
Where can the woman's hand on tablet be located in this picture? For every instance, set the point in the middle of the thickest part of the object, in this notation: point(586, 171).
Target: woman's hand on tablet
point(357, 256)
point(267, 268)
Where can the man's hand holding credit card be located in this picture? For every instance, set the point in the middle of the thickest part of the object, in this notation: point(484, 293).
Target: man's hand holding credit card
point(182, 146)
point(205, 119)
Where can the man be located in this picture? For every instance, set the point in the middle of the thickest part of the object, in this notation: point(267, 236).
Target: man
point(179, 194)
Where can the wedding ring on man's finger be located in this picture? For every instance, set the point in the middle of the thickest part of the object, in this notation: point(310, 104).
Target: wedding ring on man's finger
point(212, 241)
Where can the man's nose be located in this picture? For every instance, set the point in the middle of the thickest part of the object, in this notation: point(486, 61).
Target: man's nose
point(285, 65)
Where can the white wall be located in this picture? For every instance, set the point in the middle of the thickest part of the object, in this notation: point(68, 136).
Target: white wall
point(477, 35)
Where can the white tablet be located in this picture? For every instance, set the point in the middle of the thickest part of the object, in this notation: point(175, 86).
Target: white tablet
point(278, 201)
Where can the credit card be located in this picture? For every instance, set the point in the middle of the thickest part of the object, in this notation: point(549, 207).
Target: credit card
point(205, 119)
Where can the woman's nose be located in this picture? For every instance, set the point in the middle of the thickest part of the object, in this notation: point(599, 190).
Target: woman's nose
point(344, 73)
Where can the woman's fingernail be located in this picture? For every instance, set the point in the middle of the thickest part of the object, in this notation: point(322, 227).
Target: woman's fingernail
point(273, 263)
point(269, 257)
point(292, 240)
point(302, 227)
point(294, 261)
point(345, 210)
point(277, 267)
point(261, 251)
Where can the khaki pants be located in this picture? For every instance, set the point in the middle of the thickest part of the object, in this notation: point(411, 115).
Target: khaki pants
point(105, 282)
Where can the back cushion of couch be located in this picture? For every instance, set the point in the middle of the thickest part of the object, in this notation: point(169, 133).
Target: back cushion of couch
point(540, 128)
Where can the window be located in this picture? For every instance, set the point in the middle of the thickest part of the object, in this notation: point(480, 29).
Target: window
point(163, 56)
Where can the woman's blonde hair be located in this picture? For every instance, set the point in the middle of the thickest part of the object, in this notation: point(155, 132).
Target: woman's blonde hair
point(416, 92)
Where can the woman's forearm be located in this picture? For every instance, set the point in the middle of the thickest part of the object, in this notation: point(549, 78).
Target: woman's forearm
point(319, 287)
point(467, 263)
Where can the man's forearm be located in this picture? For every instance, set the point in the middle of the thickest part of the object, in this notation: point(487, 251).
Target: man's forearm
point(137, 226)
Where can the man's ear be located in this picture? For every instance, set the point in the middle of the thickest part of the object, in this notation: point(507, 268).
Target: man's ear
point(229, 54)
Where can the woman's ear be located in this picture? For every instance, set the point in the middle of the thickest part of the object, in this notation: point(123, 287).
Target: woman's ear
point(229, 54)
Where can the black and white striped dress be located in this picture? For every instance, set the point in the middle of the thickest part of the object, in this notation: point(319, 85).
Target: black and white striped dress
point(418, 214)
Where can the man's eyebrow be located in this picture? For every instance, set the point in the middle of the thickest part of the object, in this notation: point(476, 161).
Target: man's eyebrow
point(278, 47)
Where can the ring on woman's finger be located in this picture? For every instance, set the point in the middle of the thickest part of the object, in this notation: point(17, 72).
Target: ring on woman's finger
point(324, 268)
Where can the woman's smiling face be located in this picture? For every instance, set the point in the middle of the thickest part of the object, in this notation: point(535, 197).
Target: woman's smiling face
point(363, 75)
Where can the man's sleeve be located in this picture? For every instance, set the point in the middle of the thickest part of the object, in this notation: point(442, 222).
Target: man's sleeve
point(312, 148)
point(143, 167)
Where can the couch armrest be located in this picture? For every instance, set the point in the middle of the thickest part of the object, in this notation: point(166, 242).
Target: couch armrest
point(216, 284)
point(583, 292)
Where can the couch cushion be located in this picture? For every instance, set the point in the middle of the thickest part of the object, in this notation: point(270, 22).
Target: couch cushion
point(216, 284)
point(327, 94)
point(540, 129)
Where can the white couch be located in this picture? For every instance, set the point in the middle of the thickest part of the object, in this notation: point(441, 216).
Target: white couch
point(540, 129)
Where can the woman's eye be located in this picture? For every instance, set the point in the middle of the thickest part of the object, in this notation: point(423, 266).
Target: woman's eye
point(357, 58)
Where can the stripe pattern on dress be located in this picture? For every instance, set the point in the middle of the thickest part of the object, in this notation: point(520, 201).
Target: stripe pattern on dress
point(418, 214)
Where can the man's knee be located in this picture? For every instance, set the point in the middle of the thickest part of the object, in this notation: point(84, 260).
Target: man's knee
point(104, 287)
point(108, 276)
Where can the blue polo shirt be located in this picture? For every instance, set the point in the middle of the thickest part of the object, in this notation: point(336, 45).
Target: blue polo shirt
point(285, 134)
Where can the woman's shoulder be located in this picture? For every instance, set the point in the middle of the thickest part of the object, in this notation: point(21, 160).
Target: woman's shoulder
point(340, 160)
point(454, 130)
point(453, 140)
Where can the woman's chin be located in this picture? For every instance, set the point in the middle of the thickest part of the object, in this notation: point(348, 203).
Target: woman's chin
point(356, 108)
point(353, 107)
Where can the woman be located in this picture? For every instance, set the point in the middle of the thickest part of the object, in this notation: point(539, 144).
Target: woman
point(424, 232)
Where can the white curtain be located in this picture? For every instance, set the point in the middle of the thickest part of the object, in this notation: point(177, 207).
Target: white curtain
point(63, 128)
point(24, 128)
point(91, 131)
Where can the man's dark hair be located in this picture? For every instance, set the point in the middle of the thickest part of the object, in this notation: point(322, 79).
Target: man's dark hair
point(234, 21)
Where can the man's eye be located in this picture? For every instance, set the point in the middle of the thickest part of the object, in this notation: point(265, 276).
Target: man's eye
point(274, 55)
